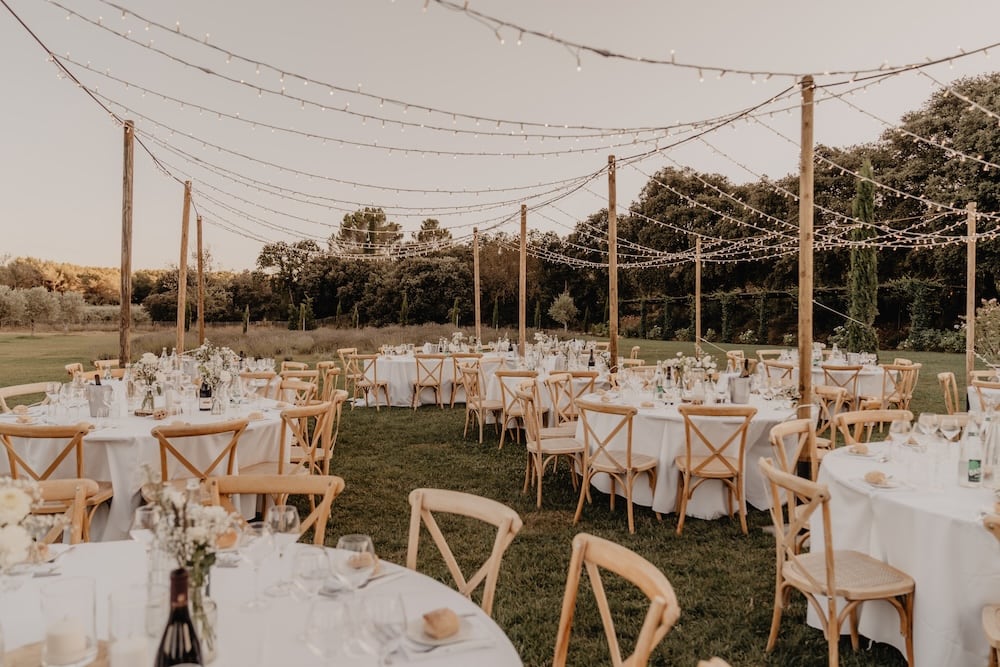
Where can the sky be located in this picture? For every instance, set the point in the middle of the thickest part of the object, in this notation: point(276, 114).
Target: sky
point(287, 116)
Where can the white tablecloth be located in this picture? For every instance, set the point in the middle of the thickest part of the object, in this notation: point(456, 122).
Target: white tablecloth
point(245, 638)
point(119, 449)
point(659, 432)
point(401, 372)
point(935, 536)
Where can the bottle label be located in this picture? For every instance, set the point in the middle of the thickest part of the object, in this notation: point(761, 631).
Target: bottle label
point(975, 471)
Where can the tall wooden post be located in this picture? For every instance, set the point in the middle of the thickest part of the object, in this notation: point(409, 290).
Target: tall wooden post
point(805, 334)
point(970, 292)
point(182, 268)
point(475, 283)
point(697, 296)
point(125, 323)
point(522, 300)
point(201, 285)
point(612, 265)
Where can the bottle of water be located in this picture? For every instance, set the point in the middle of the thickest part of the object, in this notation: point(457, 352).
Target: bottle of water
point(658, 381)
point(974, 448)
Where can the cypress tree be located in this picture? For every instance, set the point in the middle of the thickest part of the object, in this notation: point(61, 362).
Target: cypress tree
point(862, 279)
point(404, 310)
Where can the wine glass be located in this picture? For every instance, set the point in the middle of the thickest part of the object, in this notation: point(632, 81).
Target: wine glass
point(354, 560)
point(144, 522)
point(328, 625)
point(310, 570)
point(949, 428)
point(52, 390)
point(256, 544)
point(386, 619)
point(283, 520)
point(928, 422)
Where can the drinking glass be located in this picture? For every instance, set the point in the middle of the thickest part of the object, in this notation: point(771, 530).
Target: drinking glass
point(386, 620)
point(928, 422)
point(143, 523)
point(128, 641)
point(354, 560)
point(328, 625)
point(256, 544)
point(310, 570)
point(949, 428)
point(283, 520)
point(68, 615)
point(52, 395)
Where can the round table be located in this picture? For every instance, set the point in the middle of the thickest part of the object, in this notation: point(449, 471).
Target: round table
point(934, 534)
point(268, 637)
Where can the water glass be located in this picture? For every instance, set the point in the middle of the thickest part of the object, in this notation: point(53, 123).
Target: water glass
point(386, 621)
point(310, 570)
point(283, 520)
point(256, 544)
point(68, 614)
point(127, 632)
point(329, 625)
point(354, 561)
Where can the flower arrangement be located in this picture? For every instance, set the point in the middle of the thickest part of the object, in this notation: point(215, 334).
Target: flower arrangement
point(147, 369)
point(18, 526)
point(216, 365)
point(683, 366)
point(457, 338)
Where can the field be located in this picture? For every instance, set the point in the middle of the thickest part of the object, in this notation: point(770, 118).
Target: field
point(723, 580)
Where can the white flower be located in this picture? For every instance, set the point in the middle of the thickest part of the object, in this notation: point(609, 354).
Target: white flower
point(225, 376)
point(14, 545)
point(14, 505)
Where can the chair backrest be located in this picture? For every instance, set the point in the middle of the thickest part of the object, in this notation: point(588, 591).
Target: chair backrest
point(992, 523)
point(308, 427)
point(598, 445)
point(263, 381)
point(509, 382)
point(459, 358)
point(532, 420)
point(301, 374)
point(328, 487)
point(345, 353)
point(489, 365)
point(830, 401)
point(632, 363)
point(727, 424)
point(560, 390)
point(425, 502)
point(634, 353)
point(902, 361)
point(765, 355)
point(602, 345)
point(898, 382)
point(41, 459)
point(21, 390)
point(810, 497)
point(329, 372)
point(74, 368)
point(293, 366)
point(800, 434)
point(842, 376)
point(430, 368)
point(949, 387)
point(72, 491)
point(778, 371)
point(987, 392)
point(365, 366)
point(297, 392)
point(472, 381)
point(990, 375)
point(101, 364)
point(856, 425)
point(594, 554)
point(734, 359)
point(202, 450)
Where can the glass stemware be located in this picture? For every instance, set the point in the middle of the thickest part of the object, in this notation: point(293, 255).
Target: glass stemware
point(310, 570)
point(143, 524)
point(256, 544)
point(354, 561)
point(328, 626)
point(949, 428)
point(283, 520)
point(386, 620)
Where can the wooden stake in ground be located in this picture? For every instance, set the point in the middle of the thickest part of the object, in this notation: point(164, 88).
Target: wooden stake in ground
point(970, 291)
point(612, 265)
point(697, 296)
point(125, 321)
point(475, 283)
point(522, 300)
point(182, 268)
point(201, 285)
point(805, 334)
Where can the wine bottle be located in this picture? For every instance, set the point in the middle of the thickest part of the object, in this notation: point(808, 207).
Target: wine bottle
point(745, 371)
point(204, 397)
point(590, 362)
point(179, 645)
point(97, 379)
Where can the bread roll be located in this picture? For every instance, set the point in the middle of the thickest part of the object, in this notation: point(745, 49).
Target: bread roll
point(875, 477)
point(860, 448)
point(440, 623)
point(361, 560)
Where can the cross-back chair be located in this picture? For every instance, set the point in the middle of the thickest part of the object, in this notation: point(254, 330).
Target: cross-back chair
point(424, 503)
point(351, 373)
point(325, 487)
point(846, 377)
point(949, 388)
point(560, 388)
point(304, 441)
point(329, 373)
point(477, 406)
point(287, 365)
point(367, 382)
point(604, 424)
point(857, 425)
point(898, 383)
point(457, 359)
point(710, 456)
point(46, 452)
point(634, 352)
point(542, 451)
point(778, 372)
point(430, 373)
point(632, 363)
point(297, 392)
point(830, 401)
point(197, 451)
point(73, 369)
point(71, 494)
point(262, 381)
point(21, 390)
point(987, 392)
point(734, 359)
point(792, 442)
point(509, 381)
point(768, 355)
point(824, 575)
point(596, 554)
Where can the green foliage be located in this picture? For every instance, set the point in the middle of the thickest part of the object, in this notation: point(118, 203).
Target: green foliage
point(538, 314)
point(935, 340)
point(456, 311)
point(684, 335)
point(404, 310)
point(307, 318)
point(356, 317)
point(748, 337)
point(862, 279)
point(761, 319)
point(666, 327)
point(586, 318)
point(246, 319)
point(293, 317)
point(642, 317)
point(726, 301)
point(988, 330)
point(789, 340)
point(496, 312)
point(563, 310)
point(366, 232)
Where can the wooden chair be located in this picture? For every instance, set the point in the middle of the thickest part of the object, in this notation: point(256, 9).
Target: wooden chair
point(902, 361)
point(986, 392)
point(845, 377)
point(21, 390)
point(305, 434)
point(46, 452)
point(734, 359)
point(632, 363)
point(602, 455)
point(318, 458)
point(367, 382)
point(303, 376)
point(297, 392)
point(991, 612)
point(207, 444)
point(830, 401)
point(326, 487)
point(457, 360)
point(72, 494)
point(430, 370)
point(101, 364)
point(634, 353)
point(857, 425)
point(540, 450)
point(293, 366)
point(73, 369)
point(509, 380)
point(768, 355)
point(949, 388)
point(264, 382)
point(594, 554)
point(602, 346)
point(778, 372)
point(351, 372)
point(425, 502)
point(803, 445)
point(476, 404)
point(989, 375)
point(705, 459)
point(560, 388)
point(898, 382)
point(825, 575)
point(330, 374)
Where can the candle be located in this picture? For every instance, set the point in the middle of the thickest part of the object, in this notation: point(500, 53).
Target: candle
point(129, 652)
point(65, 641)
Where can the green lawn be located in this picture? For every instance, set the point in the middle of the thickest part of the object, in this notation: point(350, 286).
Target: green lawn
point(724, 580)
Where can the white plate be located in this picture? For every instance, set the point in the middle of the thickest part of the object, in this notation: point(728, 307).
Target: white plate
point(415, 631)
point(868, 455)
point(887, 485)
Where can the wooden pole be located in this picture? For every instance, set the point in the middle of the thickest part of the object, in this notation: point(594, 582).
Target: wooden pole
point(201, 285)
point(970, 292)
point(612, 265)
point(805, 334)
point(522, 300)
point(182, 268)
point(475, 283)
point(125, 323)
point(697, 296)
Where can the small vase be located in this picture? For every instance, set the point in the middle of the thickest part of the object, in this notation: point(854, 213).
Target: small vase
point(205, 615)
point(148, 399)
point(219, 400)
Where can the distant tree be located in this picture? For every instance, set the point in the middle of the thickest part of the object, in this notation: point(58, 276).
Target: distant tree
point(431, 231)
point(11, 305)
point(563, 310)
point(365, 232)
point(71, 307)
point(40, 305)
point(496, 312)
point(404, 310)
point(862, 279)
point(288, 261)
point(538, 314)
point(246, 319)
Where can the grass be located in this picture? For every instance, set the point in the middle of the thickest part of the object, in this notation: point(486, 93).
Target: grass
point(723, 580)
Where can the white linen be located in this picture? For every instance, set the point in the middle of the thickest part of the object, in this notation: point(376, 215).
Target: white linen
point(659, 432)
point(401, 372)
point(245, 638)
point(936, 537)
